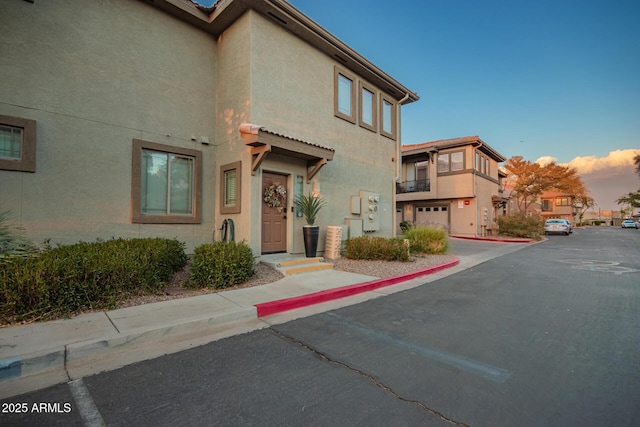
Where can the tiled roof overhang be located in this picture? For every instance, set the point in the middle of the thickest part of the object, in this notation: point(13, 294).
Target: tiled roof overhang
point(263, 141)
point(223, 13)
point(442, 144)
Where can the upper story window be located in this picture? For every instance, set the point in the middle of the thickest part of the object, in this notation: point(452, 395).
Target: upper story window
point(563, 201)
point(388, 118)
point(345, 96)
point(546, 205)
point(166, 184)
point(421, 170)
point(367, 108)
point(17, 144)
point(451, 162)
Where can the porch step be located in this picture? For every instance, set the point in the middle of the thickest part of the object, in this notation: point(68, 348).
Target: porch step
point(291, 266)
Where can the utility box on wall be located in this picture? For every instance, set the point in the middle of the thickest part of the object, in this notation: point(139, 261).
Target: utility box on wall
point(354, 226)
point(370, 205)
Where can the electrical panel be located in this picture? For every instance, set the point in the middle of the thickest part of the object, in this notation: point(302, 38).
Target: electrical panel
point(369, 208)
point(354, 226)
point(355, 205)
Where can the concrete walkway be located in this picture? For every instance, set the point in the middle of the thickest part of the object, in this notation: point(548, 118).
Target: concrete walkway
point(39, 355)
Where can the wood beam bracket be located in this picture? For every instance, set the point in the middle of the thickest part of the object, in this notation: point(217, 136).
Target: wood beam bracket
point(258, 154)
point(317, 165)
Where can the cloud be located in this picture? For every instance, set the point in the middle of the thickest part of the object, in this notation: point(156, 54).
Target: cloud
point(589, 164)
point(545, 160)
point(615, 160)
point(607, 178)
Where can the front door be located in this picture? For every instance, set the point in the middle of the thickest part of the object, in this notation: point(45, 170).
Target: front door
point(274, 218)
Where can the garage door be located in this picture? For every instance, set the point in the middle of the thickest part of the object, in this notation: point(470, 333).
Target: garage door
point(430, 215)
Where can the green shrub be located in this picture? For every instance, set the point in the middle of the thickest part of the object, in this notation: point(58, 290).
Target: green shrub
point(427, 240)
point(12, 241)
point(221, 264)
point(520, 225)
point(63, 280)
point(376, 248)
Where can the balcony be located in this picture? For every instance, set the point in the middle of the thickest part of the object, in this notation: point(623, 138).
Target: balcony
point(413, 186)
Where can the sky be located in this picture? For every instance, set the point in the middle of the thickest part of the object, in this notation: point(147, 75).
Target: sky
point(544, 79)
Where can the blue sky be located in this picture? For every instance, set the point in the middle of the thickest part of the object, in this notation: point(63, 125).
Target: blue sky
point(558, 79)
point(561, 76)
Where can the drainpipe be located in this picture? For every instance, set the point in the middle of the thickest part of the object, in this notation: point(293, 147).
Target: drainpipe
point(398, 163)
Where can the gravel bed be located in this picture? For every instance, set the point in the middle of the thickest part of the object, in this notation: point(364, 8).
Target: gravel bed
point(265, 274)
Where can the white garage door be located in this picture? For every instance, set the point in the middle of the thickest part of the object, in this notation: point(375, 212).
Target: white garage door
point(431, 215)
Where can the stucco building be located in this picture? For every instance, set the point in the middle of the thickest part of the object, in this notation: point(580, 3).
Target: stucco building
point(129, 118)
point(453, 183)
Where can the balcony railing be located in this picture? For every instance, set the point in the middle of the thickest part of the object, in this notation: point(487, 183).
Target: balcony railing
point(413, 186)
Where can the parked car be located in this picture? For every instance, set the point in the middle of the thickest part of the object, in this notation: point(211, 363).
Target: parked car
point(627, 223)
point(557, 226)
point(569, 224)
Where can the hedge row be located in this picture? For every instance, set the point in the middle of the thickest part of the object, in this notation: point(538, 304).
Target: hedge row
point(64, 280)
point(520, 225)
point(376, 248)
point(422, 240)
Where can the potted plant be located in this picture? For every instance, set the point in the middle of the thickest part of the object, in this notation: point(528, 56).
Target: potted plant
point(309, 205)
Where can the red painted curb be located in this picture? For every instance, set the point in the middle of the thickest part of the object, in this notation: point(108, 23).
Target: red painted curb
point(285, 304)
point(494, 239)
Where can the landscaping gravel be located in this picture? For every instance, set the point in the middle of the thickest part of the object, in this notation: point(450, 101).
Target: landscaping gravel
point(265, 274)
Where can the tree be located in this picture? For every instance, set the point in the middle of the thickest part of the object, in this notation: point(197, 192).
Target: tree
point(526, 180)
point(632, 199)
point(530, 180)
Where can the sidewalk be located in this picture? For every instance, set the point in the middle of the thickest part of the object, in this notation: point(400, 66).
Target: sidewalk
point(39, 355)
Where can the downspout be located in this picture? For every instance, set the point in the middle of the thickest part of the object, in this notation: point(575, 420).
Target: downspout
point(398, 164)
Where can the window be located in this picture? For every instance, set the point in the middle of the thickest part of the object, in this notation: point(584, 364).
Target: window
point(451, 162)
point(230, 188)
point(444, 209)
point(166, 184)
point(486, 166)
point(345, 96)
point(367, 108)
point(546, 205)
point(421, 170)
point(563, 201)
point(388, 118)
point(17, 144)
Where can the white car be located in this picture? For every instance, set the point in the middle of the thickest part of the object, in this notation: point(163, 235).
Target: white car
point(557, 226)
point(627, 223)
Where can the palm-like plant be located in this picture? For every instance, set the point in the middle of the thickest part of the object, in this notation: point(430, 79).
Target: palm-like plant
point(310, 205)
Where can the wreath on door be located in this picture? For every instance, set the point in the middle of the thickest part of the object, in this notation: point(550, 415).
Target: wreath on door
point(275, 196)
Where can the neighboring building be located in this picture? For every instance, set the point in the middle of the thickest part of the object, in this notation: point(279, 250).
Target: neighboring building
point(132, 118)
point(555, 204)
point(455, 183)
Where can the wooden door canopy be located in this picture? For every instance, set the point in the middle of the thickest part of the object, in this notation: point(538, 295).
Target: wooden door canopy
point(263, 141)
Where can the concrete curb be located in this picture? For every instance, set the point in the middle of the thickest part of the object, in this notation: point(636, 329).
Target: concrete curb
point(495, 239)
point(119, 338)
point(286, 304)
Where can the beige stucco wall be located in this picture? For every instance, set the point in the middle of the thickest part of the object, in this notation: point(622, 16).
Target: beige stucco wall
point(456, 189)
point(94, 78)
point(292, 89)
